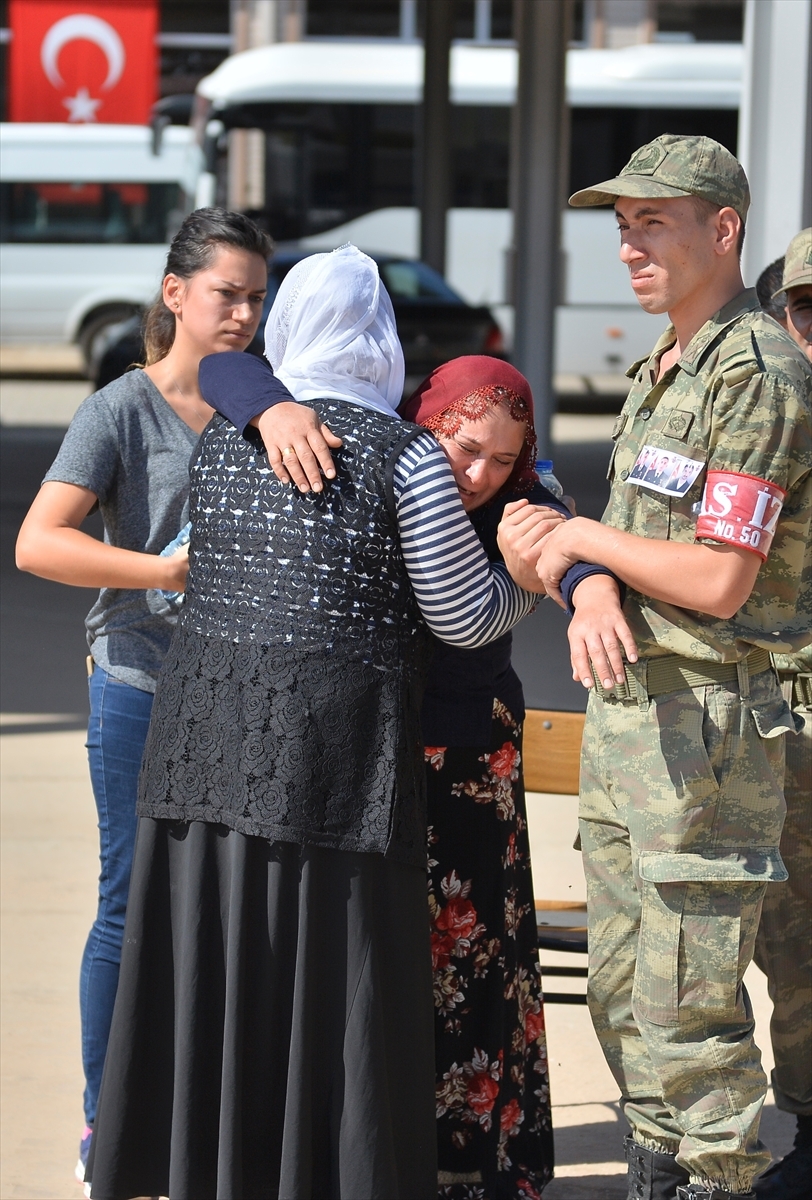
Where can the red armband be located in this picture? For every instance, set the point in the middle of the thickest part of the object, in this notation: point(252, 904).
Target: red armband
point(741, 510)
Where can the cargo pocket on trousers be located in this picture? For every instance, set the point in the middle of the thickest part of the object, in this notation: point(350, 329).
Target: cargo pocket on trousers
point(694, 908)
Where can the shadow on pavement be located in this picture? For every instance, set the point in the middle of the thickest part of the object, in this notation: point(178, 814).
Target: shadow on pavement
point(540, 648)
point(587, 1187)
point(42, 641)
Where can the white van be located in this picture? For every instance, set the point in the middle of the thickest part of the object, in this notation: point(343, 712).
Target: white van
point(86, 215)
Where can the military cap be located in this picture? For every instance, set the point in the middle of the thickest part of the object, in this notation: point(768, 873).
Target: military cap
point(797, 262)
point(673, 165)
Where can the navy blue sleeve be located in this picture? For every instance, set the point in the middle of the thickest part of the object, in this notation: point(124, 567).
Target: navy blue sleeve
point(580, 571)
point(240, 386)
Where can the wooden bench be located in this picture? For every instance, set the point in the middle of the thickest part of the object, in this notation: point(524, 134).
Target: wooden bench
point(552, 752)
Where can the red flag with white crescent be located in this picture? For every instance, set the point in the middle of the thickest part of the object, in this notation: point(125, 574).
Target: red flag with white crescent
point(83, 63)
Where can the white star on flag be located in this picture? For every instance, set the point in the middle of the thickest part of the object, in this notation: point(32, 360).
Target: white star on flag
point(81, 107)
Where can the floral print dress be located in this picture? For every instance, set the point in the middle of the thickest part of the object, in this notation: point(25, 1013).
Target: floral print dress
point(493, 1097)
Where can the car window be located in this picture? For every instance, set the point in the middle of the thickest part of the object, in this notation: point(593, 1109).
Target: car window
point(407, 280)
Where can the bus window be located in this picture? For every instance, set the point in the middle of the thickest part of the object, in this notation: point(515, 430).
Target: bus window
point(480, 148)
point(327, 164)
point(602, 140)
point(112, 213)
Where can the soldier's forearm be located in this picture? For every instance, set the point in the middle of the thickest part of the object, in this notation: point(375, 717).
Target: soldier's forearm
point(716, 580)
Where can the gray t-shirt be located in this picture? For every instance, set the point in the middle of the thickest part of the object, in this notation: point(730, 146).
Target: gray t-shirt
point(131, 449)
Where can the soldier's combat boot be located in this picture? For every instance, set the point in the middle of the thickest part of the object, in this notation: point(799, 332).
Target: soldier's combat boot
point(791, 1178)
point(653, 1175)
point(698, 1191)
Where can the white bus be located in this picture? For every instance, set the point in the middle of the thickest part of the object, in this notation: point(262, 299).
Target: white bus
point(86, 213)
point(339, 121)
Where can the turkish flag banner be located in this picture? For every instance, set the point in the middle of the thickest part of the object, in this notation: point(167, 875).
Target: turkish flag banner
point(83, 62)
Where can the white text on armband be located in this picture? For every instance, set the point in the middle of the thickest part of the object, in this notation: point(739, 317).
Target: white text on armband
point(741, 510)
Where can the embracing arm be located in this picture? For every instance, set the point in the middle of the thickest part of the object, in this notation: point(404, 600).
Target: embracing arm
point(712, 579)
point(245, 390)
point(240, 386)
point(51, 544)
point(464, 599)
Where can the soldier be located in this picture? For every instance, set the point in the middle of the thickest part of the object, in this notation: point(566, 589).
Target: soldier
point(681, 800)
point(784, 941)
point(797, 286)
point(768, 290)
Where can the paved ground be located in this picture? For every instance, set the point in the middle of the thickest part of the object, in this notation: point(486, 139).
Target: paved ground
point(49, 865)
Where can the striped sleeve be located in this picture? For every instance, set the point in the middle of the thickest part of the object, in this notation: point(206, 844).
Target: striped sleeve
point(464, 599)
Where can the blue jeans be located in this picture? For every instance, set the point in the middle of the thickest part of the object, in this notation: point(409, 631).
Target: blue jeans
point(117, 731)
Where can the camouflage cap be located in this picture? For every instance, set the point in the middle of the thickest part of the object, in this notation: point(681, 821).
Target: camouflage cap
point(797, 261)
point(673, 165)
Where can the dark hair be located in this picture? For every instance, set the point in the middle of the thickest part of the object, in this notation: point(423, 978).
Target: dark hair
point(705, 209)
point(193, 249)
point(770, 281)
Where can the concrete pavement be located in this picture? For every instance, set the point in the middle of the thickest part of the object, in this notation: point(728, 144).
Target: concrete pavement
point(49, 866)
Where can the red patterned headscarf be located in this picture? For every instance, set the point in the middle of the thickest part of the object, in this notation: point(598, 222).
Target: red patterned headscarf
point(465, 389)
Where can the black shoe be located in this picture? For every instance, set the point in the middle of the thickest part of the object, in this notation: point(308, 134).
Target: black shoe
point(652, 1174)
point(791, 1177)
point(697, 1191)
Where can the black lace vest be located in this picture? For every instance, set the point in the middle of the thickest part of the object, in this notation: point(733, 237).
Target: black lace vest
point(288, 706)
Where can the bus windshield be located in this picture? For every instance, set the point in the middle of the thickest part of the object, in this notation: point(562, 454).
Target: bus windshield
point(326, 164)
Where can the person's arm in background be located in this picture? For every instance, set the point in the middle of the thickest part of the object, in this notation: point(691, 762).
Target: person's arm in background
point(51, 544)
point(243, 388)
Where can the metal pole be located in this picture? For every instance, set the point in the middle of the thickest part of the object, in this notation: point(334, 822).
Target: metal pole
point(538, 167)
point(435, 139)
point(775, 127)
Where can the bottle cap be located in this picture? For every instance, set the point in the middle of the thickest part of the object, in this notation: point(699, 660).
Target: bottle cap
point(544, 466)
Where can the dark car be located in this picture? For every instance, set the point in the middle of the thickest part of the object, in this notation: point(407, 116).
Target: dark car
point(434, 322)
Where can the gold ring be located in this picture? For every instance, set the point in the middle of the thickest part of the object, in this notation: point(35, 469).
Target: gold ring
point(288, 450)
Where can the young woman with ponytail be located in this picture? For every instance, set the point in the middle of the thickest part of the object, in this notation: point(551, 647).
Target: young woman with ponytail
point(127, 452)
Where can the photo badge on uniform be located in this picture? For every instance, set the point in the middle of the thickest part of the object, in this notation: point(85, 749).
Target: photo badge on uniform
point(664, 471)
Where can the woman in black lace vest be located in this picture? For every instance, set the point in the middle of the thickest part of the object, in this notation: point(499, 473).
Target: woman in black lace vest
point(273, 1030)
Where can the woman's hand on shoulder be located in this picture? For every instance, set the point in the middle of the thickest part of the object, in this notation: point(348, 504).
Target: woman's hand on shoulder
point(522, 530)
point(298, 444)
point(599, 633)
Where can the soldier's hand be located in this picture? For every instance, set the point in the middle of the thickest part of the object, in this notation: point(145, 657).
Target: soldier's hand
point(599, 633)
point(298, 445)
point(559, 552)
point(521, 532)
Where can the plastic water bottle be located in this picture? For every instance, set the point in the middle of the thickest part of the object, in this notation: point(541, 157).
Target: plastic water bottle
point(182, 539)
point(544, 471)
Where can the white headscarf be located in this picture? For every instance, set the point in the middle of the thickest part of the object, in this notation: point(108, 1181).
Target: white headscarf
point(331, 332)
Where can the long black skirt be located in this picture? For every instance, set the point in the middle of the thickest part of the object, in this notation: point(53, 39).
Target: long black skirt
point(273, 1029)
point(495, 1139)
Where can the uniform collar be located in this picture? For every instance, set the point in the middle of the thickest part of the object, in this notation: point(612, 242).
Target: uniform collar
point(690, 360)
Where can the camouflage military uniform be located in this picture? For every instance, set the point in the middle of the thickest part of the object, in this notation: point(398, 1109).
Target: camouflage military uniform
point(784, 941)
point(681, 796)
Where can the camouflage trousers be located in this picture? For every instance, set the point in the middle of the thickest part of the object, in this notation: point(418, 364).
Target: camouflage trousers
point(680, 819)
point(784, 941)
